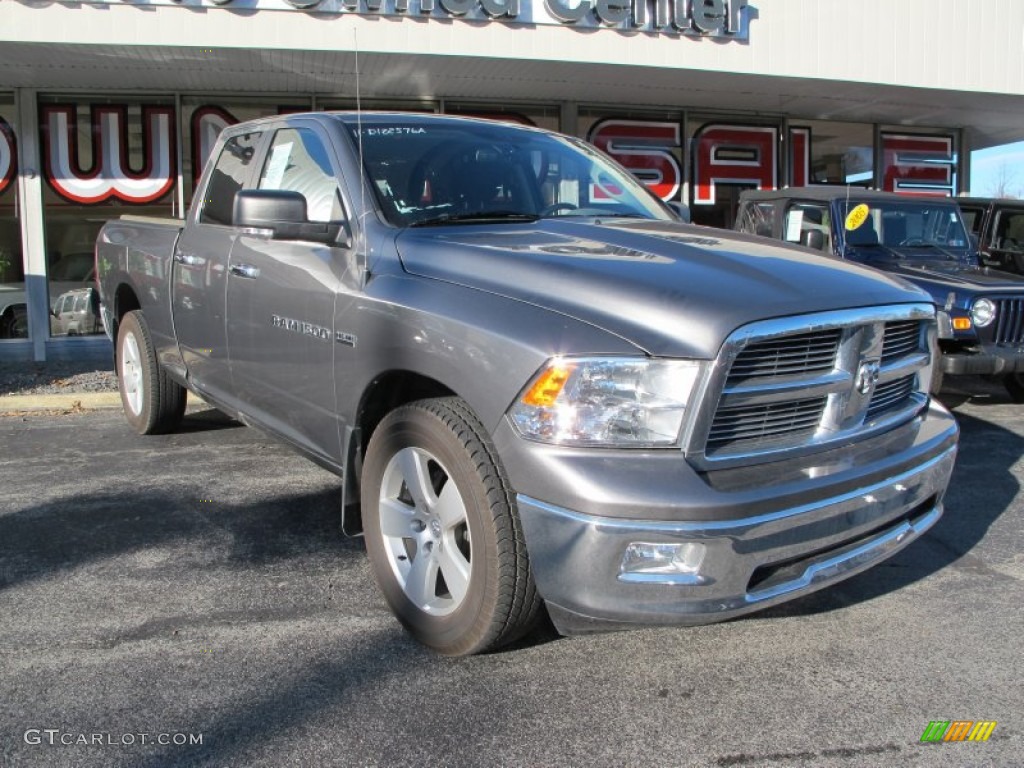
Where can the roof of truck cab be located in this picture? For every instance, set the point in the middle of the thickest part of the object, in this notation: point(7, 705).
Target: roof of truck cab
point(350, 117)
point(374, 118)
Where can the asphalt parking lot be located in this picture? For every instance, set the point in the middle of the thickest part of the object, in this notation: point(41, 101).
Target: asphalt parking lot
point(189, 600)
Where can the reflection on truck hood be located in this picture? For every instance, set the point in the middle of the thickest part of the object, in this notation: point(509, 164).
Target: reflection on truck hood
point(670, 289)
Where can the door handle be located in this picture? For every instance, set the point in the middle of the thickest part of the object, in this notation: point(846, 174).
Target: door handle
point(188, 259)
point(245, 270)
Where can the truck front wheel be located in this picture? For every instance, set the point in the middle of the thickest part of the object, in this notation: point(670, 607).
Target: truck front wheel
point(442, 530)
point(153, 402)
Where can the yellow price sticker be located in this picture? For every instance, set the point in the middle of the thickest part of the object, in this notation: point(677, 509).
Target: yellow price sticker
point(856, 217)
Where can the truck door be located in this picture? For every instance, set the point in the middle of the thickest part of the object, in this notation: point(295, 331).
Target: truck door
point(199, 270)
point(282, 298)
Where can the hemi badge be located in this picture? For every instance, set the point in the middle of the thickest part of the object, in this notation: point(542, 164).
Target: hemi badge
point(348, 339)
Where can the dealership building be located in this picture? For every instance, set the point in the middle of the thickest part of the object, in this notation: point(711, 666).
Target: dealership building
point(110, 107)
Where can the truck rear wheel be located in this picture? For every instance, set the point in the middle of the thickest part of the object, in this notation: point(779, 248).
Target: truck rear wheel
point(442, 530)
point(153, 402)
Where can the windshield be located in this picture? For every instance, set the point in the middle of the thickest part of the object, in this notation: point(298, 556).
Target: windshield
point(448, 171)
point(898, 227)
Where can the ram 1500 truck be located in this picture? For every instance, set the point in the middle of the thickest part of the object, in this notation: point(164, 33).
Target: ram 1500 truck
point(540, 389)
point(922, 239)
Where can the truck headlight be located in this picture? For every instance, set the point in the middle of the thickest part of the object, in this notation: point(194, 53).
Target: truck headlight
point(983, 312)
point(607, 401)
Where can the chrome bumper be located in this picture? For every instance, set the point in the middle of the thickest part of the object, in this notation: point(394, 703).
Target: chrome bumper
point(748, 564)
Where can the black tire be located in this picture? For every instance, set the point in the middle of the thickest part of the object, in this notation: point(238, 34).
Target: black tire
point(153, 402)
point(1014, 383)
point(467, 532)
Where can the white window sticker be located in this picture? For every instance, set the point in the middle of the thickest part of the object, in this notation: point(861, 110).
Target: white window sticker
point(278, 164)
point(794, 222)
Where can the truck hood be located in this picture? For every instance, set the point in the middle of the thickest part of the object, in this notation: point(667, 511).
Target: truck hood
point(670, 289)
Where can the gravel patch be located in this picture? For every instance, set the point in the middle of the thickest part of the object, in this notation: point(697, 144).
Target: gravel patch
point(50, 378)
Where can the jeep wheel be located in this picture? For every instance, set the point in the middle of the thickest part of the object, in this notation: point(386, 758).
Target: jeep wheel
point(442, 530)
point(153, 402)
point(1014, 383)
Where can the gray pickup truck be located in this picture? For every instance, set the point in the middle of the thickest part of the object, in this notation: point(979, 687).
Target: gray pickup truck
point(540, 389)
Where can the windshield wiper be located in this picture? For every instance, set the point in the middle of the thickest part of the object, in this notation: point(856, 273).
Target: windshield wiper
point(934, 247)
point(478, 217)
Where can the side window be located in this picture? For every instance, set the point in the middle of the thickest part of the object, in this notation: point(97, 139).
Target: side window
point(972, 219)
point(298, 162)
point(810, 225)
point(757, 219)
point(227, 178)
point(1009, 231)
point(81, 302)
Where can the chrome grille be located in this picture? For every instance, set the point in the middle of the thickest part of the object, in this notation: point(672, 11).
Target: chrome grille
point(1009, 321)
point(901, 338)
point(801, 383)
point(796, 354)
point(754, 426)
point(891, 394)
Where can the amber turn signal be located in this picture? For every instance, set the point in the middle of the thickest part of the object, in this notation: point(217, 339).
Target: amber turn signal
point(548, 386)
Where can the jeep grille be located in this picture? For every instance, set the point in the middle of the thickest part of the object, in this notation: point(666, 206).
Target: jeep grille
point(1009, 321)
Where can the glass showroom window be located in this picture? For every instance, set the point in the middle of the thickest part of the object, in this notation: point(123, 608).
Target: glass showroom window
point(538, 115)
point(841, 153)
point(102, 157)
point(649, 145)
point(13, 317)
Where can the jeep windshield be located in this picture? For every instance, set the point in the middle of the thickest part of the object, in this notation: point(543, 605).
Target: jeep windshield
point(916, 228)
point(438, 171)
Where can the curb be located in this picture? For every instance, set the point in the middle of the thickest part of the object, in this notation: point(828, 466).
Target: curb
point(72, 401)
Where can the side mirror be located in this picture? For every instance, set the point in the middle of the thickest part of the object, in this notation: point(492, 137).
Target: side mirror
point(282, 215)
point(682, 210)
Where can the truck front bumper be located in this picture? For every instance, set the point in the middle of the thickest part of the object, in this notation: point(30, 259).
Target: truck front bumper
point(810, 526)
